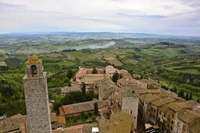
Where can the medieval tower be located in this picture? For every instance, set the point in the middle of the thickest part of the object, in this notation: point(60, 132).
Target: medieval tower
point(130, 101)
point(36, 97)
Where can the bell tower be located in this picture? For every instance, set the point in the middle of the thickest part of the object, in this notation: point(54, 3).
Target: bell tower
point(36, 97)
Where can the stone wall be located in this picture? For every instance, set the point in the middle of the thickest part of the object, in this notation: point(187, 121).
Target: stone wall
point(37, 105)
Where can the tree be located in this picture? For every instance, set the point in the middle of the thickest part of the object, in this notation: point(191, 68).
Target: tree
point(69, 84)
point(175, 89)
point(181, 93)
point(190, 98)
point(94, 70)
point(69, 74)
point(83, 88)
point(198, 100)
point(96, 108)
point(186, 97)
point(115, 77)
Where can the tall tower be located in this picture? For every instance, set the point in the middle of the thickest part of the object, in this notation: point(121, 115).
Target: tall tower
point(130, 104)
point(36, 97)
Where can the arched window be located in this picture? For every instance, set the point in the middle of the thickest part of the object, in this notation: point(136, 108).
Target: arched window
point(33, 69)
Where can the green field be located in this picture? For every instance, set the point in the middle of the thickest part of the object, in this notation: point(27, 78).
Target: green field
point(170, 64)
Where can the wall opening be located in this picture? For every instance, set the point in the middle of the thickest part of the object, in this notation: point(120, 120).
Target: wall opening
point(33, 69)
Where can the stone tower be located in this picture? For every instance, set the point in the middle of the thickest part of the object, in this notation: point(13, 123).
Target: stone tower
point(36, 97)
point(130, 101)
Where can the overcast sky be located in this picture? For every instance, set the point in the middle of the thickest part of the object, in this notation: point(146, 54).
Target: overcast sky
point(172, 17)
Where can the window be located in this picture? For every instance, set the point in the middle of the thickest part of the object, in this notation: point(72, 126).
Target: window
point(178, 124)
point(33, 69)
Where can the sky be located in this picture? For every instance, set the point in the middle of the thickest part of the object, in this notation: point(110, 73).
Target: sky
point(167, 17)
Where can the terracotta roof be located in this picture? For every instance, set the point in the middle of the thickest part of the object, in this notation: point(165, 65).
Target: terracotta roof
point(119, 123)
point(106, 93)
point(81, 107)
point(72, 129)
point(53, 117)
point(164, 109)
point(93, 75)
point(163, 101)
point(147, 98)
point(67, 89)
point(147, 91)
point(195, 128)
point(176, 106)
point(196, 108)
point(125, 74)
point(111, 69)
point(61, 119)
point(188, 116)
point(13, 123)
point(81, 72)
point(86, 71)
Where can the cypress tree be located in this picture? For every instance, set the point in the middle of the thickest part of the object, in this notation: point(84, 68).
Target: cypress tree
point(96, 108)
point(190, 96)
point(186, 97)
point(83, 89)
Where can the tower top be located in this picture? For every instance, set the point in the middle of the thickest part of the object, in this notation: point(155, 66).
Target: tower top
point(34, 67)
point(33, 60)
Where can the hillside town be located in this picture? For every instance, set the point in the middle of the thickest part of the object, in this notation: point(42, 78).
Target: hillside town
point(124, 105)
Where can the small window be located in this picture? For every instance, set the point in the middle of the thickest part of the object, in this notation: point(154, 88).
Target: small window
point(33, 69)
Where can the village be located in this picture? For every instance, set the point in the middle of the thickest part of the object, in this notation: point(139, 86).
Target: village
point(124, 104)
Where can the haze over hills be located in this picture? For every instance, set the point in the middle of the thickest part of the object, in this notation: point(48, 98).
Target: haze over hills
point(32, 42)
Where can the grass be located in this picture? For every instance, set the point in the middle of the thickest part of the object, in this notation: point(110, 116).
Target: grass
point(131, 61)
point(184, 70)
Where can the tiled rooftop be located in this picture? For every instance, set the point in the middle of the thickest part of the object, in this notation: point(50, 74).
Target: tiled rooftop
point(81, 107)
point(188, 116)
point(176, 106)
point(163, 101)
point(119, 123)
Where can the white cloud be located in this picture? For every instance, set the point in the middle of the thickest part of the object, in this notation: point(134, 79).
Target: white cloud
point(99, 15)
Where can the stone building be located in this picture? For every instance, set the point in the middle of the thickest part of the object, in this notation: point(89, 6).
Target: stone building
point(14, 124)
point(186, 119)
point(73, 110)
point(130, 105)
point(145, 105)
point(36, 97)
point(86, 75)
point(66, 90)
point(155, 106)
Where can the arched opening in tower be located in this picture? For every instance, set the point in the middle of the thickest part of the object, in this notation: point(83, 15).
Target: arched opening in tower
point(33, 69)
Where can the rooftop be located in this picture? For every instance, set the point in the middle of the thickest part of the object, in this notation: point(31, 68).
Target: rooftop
point(72, 129)
point(111, 69)
point(2, 63)
point(176, 106)
point(147, 98)
point(148, 91)
point(119, 123)
point(81, 107)
point(163, 101)
point(195, 128)
point(87, 71)
point(33, 59)
point(164, 109)
point(188, 116)
point(67, 89)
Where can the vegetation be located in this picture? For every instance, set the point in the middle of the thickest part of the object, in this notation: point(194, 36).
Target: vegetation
point(73, 97)
point(175, 65)
point(83, 118)
point(115, 77)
